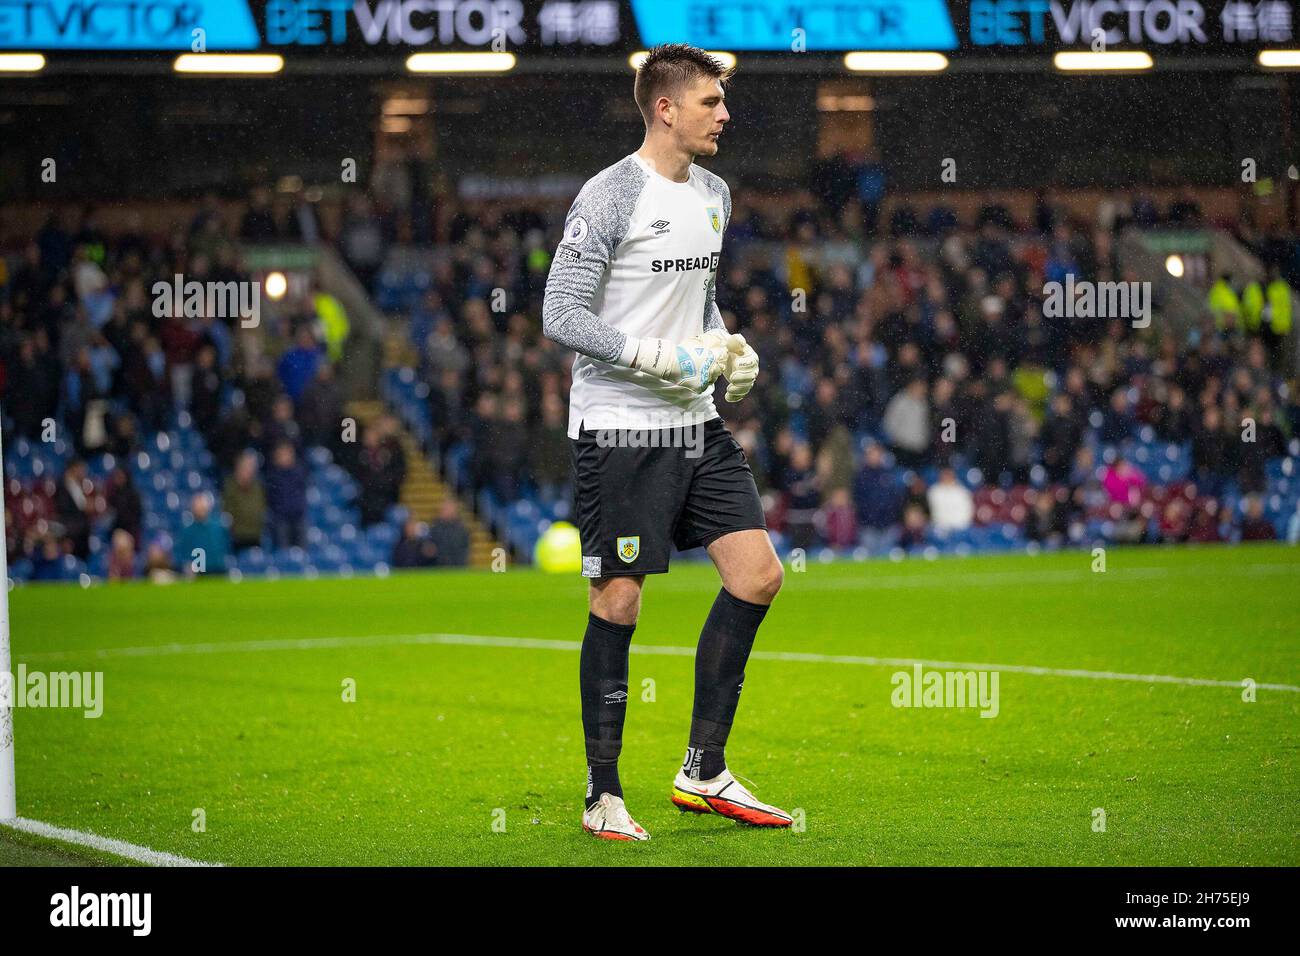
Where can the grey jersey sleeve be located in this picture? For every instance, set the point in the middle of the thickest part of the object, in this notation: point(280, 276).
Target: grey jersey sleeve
point(596, 224)
point(712, 316)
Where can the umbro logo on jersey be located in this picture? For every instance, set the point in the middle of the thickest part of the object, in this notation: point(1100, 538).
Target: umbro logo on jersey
point(660, 226)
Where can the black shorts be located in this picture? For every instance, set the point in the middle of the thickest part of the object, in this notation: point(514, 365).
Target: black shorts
point(634, 504)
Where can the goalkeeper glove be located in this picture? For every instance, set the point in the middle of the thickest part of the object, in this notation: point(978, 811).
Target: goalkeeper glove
point(741, 365)
point(741, 368)
point(695, 363)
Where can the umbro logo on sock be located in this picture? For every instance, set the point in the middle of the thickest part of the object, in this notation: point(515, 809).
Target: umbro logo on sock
point(617, 697)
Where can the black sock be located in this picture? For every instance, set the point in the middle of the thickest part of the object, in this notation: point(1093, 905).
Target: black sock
point(602, 677)
point(703, 764)
point(720, 660)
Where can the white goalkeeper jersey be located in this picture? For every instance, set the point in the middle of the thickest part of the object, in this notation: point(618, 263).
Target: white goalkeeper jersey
point(639, 258)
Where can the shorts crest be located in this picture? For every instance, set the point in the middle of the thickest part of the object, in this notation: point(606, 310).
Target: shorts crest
point(628, 548)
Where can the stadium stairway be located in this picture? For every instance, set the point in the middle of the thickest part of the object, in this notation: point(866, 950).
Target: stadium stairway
point(423, 490)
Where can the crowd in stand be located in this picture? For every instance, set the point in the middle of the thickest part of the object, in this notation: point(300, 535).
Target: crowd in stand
point(90, 363)
point(910, 372)
point(906, 369)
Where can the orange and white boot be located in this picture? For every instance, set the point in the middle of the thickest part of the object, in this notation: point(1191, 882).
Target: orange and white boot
point(726, 796)
point(608, 819)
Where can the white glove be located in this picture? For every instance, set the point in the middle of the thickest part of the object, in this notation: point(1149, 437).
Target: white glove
point(695, 363)
point(718, 338)
point(741, 368)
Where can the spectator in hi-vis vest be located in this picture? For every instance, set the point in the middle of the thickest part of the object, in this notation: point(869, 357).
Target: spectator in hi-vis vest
point(1225, 305)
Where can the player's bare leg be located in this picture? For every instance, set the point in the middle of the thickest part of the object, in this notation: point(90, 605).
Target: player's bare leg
point(615, 603)
point(617, 599)
point(748, 565)
point(751, 577)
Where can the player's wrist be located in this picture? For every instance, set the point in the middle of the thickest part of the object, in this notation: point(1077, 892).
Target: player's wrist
point(655, 357)
point(627, 357)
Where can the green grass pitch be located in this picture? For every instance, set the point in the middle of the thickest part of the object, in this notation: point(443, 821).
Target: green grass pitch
point(470, 753)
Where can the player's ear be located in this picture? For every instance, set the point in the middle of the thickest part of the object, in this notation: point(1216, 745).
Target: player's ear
point(667, 110)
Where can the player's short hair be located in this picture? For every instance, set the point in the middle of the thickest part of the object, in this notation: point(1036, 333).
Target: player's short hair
point(668, 69)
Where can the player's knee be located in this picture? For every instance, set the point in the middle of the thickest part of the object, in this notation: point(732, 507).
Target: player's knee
point(762, 586)
point(770, 581)
point(617, 600)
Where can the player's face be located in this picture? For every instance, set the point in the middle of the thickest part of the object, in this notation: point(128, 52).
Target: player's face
point(701, 116)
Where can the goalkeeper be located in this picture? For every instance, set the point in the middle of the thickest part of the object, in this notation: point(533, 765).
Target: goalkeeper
point(631, 290)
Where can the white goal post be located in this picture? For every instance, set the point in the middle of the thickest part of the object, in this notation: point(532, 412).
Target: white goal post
point(8, 803)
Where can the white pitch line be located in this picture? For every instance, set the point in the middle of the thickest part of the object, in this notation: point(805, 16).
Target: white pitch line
point(130, 851)
point(1013, 669)
point(672, 650)
point(302, 644)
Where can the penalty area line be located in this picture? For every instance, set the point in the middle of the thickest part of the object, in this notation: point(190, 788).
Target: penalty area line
point(129, 851)
point(672, 650)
